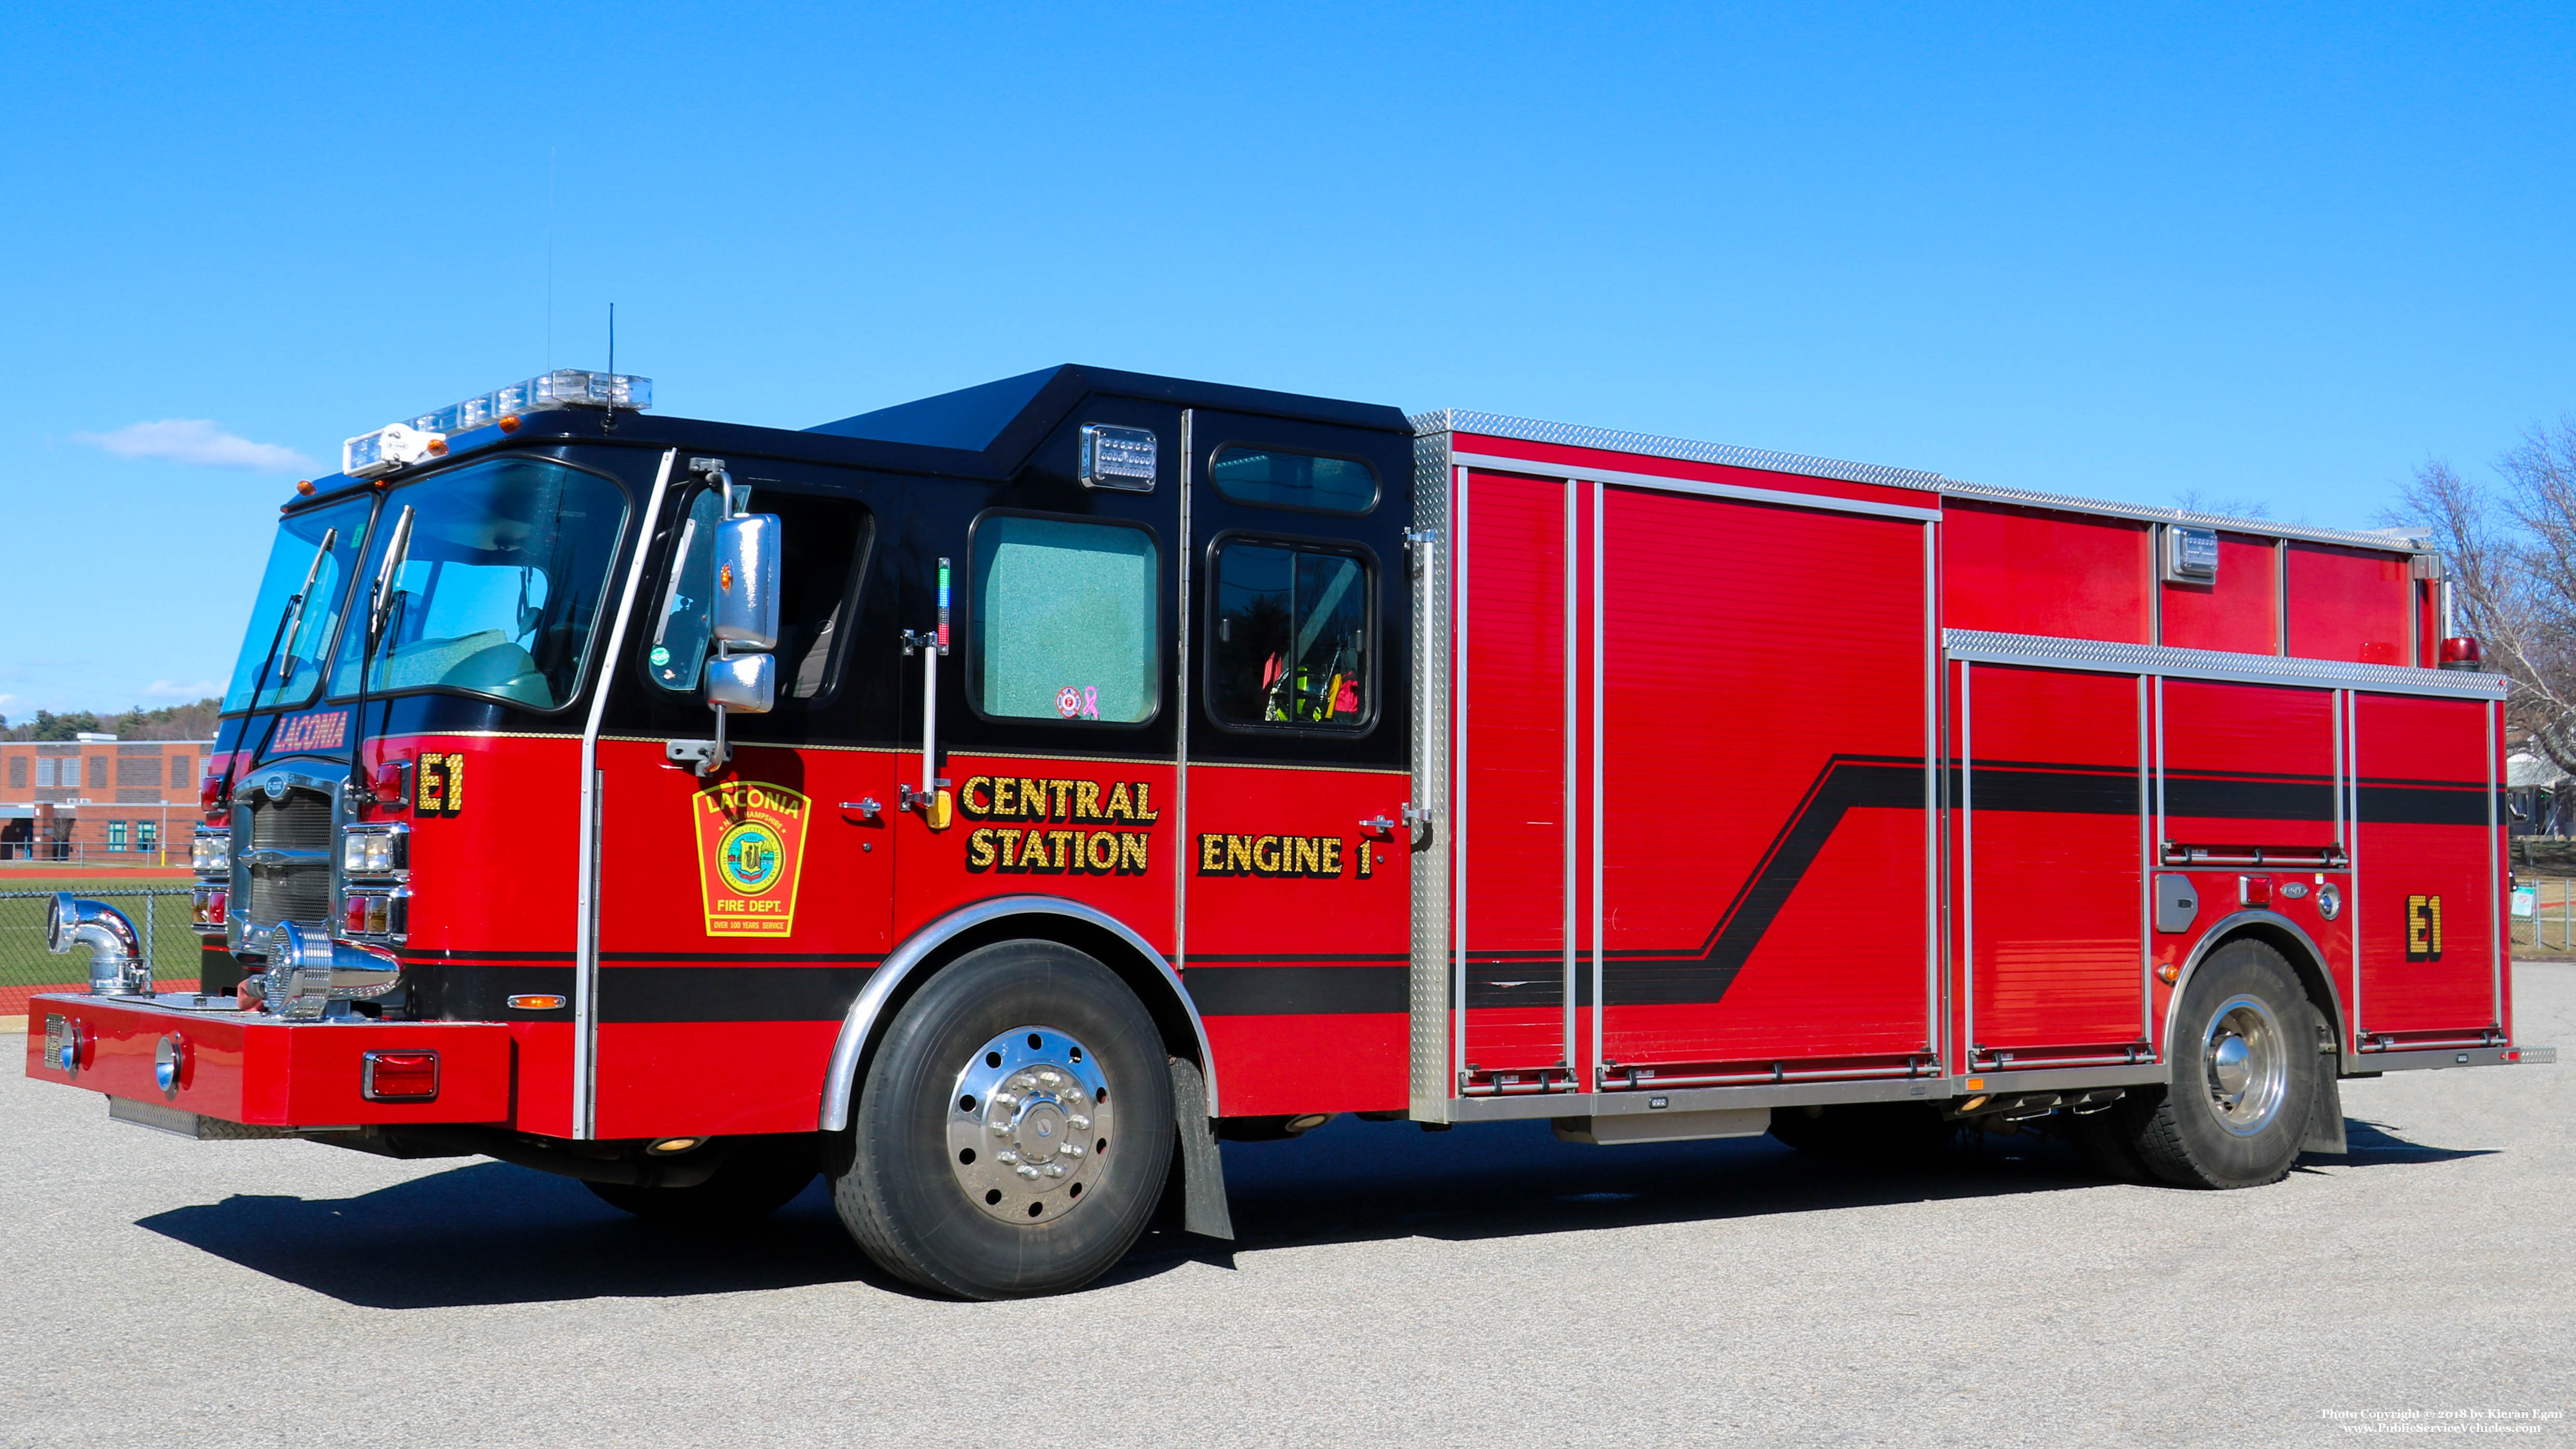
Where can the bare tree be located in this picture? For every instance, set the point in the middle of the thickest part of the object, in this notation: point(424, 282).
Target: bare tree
point(2512, 553)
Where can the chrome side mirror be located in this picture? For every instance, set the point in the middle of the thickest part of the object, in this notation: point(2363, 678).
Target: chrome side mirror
point(746, 601)
point(743, 683)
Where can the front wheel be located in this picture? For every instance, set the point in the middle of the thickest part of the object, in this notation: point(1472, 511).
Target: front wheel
point(1014, 1130)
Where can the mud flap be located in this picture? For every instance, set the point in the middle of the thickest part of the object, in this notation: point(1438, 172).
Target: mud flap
point(1202, 1172)
point(2325, 1120)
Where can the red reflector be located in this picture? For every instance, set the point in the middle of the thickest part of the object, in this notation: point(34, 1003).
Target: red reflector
point(353, 915)
point(399, 1076)
point(2254, 890)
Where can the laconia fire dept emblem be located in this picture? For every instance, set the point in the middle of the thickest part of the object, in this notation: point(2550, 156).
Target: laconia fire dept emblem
point(751, 847)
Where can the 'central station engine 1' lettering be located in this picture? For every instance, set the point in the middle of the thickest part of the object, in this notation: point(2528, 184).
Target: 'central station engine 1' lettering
point(1291, 855)
point(1012, 797)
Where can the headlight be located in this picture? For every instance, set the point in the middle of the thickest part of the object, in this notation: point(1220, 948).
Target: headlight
point(210, 852)
point(371, 852)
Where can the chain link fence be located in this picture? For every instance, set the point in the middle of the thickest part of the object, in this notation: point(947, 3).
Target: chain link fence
point(160, 916)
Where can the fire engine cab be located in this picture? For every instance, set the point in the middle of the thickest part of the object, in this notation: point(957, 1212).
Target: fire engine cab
point(990, 802)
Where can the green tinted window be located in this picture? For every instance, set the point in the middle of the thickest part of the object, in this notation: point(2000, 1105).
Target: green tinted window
point(1065, 623)
point(1275, 479)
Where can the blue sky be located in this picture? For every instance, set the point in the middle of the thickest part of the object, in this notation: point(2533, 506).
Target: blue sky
point(2133, 252)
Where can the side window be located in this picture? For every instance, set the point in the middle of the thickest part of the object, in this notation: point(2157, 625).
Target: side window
point(823, 545)
point(1271, 478)
point(1065, 623)
point(1291, 645)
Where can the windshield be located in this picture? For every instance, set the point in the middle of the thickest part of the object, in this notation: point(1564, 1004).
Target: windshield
point(297, 666)
point(498, 587)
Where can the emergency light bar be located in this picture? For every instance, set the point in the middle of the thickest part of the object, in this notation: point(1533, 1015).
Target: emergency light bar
point(397, 444)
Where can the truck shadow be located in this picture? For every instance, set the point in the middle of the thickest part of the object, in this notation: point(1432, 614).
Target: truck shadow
point(488, 1233)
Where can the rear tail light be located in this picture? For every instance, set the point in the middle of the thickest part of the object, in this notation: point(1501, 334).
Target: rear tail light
point(207, 907)
point(399, 1076)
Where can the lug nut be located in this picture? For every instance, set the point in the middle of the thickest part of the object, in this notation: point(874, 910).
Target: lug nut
point(1055, 1169)
point(1072, 1151)
point(1006, 1157)
point(1025, 1170)
point(1078, 1124)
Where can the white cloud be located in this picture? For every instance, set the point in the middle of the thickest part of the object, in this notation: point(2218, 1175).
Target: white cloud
point(194, 440)
point(189, 693)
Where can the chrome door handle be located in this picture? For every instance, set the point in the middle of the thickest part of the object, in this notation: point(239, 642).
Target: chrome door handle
point(1378, 825)
point(865, 805)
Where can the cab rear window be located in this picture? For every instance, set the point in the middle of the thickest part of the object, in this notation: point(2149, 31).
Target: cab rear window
point(1273, 478)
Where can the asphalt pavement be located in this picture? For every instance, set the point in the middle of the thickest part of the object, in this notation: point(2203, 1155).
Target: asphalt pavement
point(1482, 1287)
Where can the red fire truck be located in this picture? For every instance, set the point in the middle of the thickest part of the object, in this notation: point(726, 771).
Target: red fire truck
point(990, 802)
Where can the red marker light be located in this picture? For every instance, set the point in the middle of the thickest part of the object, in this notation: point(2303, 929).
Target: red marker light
point(398, 1076)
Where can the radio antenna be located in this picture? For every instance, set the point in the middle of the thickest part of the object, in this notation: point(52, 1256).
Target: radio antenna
point(550, 259)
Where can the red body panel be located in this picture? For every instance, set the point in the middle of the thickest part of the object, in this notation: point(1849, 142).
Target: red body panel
point(2057, 858)
point(2240, 613)
point(1299, 970)
point(1763, 845)
point(2432, 841)
point(2348, 603)
point(2248, 765)
point(1521, 540)
point(2033, 571)
point(241, 1068)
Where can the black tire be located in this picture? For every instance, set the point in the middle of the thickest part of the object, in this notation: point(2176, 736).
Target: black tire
point(894, 1183)
point(1894, 1134)
point(2195, 1133)
point(758, 1178)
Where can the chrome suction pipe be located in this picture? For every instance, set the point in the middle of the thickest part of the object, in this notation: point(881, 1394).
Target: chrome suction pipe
point(116, 964)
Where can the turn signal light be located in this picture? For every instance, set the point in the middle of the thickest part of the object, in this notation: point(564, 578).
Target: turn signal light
point(398, 1076)
point(207, 907)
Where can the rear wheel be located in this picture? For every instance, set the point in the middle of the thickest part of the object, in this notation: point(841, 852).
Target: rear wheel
point(1014, 1130)
point(2246, 1075)
point(757, 1179)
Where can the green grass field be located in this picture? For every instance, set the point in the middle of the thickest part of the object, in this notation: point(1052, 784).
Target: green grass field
point(24, 961)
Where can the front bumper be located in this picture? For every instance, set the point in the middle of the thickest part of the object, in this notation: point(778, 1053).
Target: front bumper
point(238, 1066)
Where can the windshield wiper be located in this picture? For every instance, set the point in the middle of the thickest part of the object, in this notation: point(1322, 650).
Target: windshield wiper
point(380, 608)
point(289, 619)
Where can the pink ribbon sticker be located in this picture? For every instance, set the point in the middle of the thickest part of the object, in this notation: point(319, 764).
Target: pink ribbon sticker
point(1083, 703)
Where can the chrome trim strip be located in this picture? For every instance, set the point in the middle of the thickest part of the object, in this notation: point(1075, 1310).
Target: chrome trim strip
point(2096, 655)
point(1532, 430)
point(1495, 462)
point(1936, 1022)
point(1181, 696)
point(841, 1082)
point(1600, 752)
point(2439, 1057)
point(2393, 541)
point(1573, 739)
point(2212, 937)
point(585, 975)
point(1427, 986)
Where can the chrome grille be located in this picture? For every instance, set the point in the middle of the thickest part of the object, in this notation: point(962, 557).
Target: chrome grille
point(300, 892)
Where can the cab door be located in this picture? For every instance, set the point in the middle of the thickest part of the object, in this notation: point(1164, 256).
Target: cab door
point(740, 912)
point(1296, 865)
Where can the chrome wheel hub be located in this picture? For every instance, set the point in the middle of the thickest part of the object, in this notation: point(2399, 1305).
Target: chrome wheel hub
point(1028, 1122)
point(2248, 1061)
